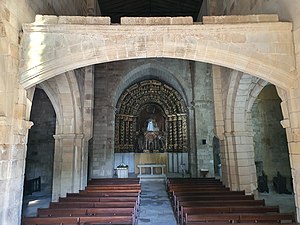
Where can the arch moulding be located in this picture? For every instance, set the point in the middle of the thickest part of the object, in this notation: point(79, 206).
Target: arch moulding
point(53, 45)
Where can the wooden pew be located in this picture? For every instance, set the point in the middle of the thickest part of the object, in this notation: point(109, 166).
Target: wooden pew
point(274, 217)
point(104, 194)
point(95, 220)
point(217, 203)
point(50, 221)
point(133, 190)
point(114, 187)
point(98, 199)
point(195, 189)
point(237, 218)
point(83, 220)
point(73, 212)
point(107, 201)
point(92, 204)
point(204, 193)
point(195, 198)
point(102, 199)
point(173, 187)
point(114, 181)
point(174, 195)
point(199, 179)
point(224, 209)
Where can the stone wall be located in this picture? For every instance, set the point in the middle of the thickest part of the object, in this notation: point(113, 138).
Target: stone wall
point(111, 79)
point(40, 146)
point(14, 114)
point(204, 116)
point(270, 138)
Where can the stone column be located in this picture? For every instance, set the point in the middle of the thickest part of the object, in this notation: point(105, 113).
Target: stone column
point(88, 107)
point(291, 122)
point(193, 148)
point(204, 136)
point(240, 171)
point(12, 169)
point(67, 168)
point(102, 162)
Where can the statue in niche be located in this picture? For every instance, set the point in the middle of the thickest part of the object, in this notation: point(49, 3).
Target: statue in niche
point(154, 141)
point(150, 126)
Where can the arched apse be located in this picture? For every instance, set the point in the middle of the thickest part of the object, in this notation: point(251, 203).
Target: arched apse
point(152, 71)
point(215, 44)
point(151, 101)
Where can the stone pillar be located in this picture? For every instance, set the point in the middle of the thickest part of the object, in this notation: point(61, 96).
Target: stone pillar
point(204, 137)
point(12, 168)
point(88, 107)
point(291, 123)
point(193, 148)
point(102, 162)
point(67, 168)
point(240, 169)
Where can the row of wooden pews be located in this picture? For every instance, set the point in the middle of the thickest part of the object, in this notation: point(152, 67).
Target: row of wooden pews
point(207, 201)
point(113, 201)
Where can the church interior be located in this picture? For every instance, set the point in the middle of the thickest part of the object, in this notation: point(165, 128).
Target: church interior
point(149, 89)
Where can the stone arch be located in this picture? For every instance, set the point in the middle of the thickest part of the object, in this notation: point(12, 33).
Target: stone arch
point(233, 46)
point(151, 71)
point(243, 89)
point(53, 98)
point(64, 94)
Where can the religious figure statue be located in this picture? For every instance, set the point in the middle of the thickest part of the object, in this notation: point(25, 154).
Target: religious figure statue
point(150, 126)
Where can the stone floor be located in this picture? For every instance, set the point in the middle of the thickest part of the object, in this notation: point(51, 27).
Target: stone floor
point(155, 206)
point(286, 202)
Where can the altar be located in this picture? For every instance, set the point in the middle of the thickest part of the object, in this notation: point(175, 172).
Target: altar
point(151, 158)
point(153, 172)
point(174, 162)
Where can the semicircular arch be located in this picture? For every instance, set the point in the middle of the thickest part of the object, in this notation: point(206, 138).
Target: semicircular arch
point(152, 71)
point(203, 44)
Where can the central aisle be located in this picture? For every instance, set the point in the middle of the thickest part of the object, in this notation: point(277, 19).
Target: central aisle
point(155, 206)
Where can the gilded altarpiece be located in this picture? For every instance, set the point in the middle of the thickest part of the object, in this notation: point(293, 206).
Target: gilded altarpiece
point(151, 117)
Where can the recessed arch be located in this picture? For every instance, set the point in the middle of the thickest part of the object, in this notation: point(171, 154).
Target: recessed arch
point(151, 71)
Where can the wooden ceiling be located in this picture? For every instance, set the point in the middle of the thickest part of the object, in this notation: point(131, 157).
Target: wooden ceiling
point(149, 8)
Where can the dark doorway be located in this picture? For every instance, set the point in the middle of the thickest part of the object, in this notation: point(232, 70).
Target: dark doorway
point(40, 150)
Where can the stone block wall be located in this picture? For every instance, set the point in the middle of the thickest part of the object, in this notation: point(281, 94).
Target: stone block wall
point(14, 114)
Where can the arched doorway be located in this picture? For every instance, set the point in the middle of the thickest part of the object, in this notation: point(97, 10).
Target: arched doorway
point(40, 153)
point(271, 150)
